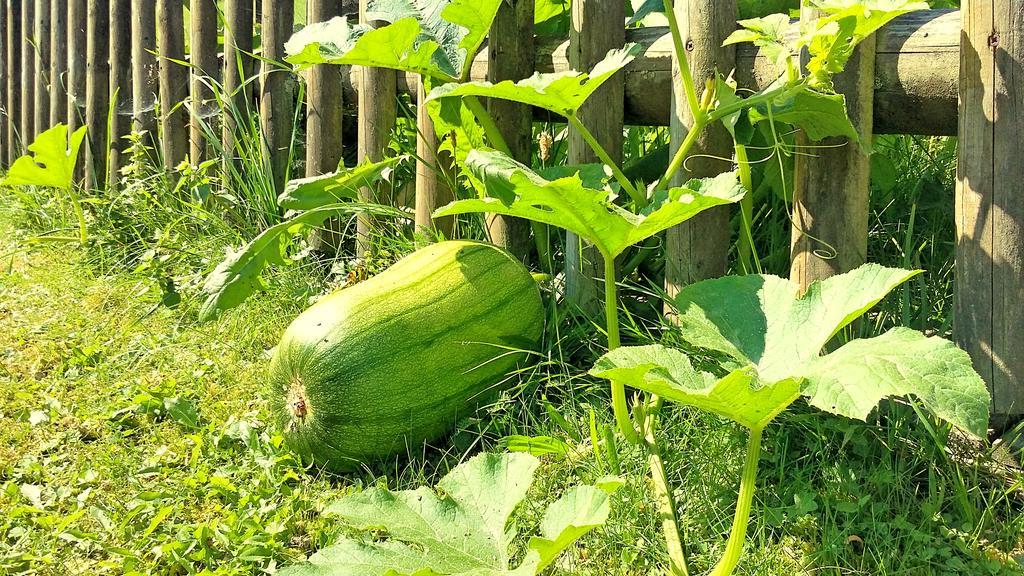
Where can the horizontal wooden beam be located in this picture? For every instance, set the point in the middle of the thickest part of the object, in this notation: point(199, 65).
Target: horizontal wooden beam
point(917, 68)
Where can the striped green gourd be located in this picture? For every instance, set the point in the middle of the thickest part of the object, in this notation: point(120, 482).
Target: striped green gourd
point(383, 366)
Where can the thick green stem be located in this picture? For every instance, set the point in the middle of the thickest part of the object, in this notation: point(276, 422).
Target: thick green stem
point(666, 503)
point(748, 481)
point(684, 64)
point(747, 252)
point(680, 156)
point(611, 315)
point(638, 197)
point(494, 135)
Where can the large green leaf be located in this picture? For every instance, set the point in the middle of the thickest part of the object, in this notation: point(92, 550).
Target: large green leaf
point(767, 33)
point(52, 162)
point(317, 191)
point(238, 276)
point(560, 92)
point(464, 531)
point(764, 322)
point(818, 114)
point(515, 190)
point(436, 38)
point(669, 374)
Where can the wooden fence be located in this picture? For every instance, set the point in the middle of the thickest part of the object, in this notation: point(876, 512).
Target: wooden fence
point(75, 61)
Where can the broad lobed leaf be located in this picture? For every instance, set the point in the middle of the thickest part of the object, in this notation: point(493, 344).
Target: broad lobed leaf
point(317, 191)
point(465, 531)
point(51, 162)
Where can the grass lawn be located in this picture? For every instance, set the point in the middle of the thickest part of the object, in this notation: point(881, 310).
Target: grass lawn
point(133, 441)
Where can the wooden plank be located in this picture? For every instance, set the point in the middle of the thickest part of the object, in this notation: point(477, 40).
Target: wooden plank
point(916, 70)
point(5, 112)
point(76, 68)
point(58, 61)
point(432, 167)
point(238, 67)
point(28, 74)
point(42, 69)
point(597, 27)
point(989, 214)
point(831, 182)
point(205, 67)
point(377, 113)
point(120, 87)
point(510, 56)
point(97, 91)
point(276, 98)
point(12, 91)
point(145, 76)
point(170, 37)
point(699, 249)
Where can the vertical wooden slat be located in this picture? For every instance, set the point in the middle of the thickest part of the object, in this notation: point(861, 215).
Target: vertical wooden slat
point(699, 248)
point(58, 61)
point(510, 54)
point(205, 66)
point(989, 213)
point(145, 78)
point(76, 67)
point(831, 183)
point(276, 99)
point(238, 67)
point(12, 89)
point(377, 113)
point(597, 27)
point(120, 85)
point(28, 74)
point(170, 37)
point(5, 118)
point(42, 69)
point(97, 90)
point(432, 189)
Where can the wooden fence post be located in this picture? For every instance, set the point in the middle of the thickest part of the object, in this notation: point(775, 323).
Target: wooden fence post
point(510, 55)
point(76, 68)
point(14, 144)
point(597, 27)
point(699, 248)
point(831, 181)
point(276, 98)
point(170, 37)
point(377, 113)
point(28, 75)
point(432, 167)
point(42, 70)
point(238, 67)
point(145, 80)
point(120, 86)
point(205, 66)
point(5, 118)
point(58, 61)
point(989, 212)
point(97, 91)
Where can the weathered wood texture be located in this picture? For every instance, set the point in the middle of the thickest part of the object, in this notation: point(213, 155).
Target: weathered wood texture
point(432, 167)
point(145, 75)
point(510, 57)
point(42, 69)
point(699, 249)
point(12, 90)
point(120, 87)
point(276, 98)
point(205, 67)
point(831, 180)
point(58, 61)
point(988, 317)
point(238, 68)
point(916, 73)
point(596, 28)
point(97, 91)
point(170, 39)
point(28, 75)
point(377, 113)
point(76, 67)
point(4, 110)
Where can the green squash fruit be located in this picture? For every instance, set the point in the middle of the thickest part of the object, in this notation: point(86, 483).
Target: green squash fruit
point(383, 366)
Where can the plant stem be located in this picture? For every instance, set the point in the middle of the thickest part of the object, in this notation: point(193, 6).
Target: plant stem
point(487, 122)
point(684, 64)
point(666, 503)
point(738, 534)
point(747, 251)
point(680, 155)
point(611, 315)
point(639, 198)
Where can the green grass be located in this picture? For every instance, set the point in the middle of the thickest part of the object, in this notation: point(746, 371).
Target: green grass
point(132, 441)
